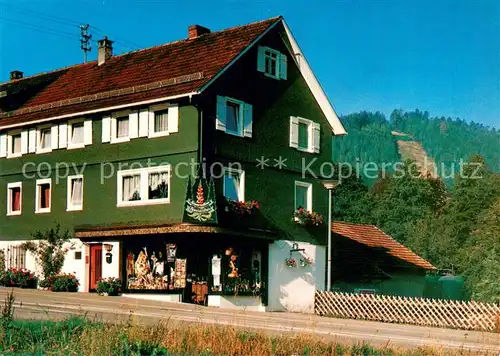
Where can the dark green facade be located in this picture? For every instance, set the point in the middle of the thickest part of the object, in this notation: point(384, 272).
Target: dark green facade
point(273, 101)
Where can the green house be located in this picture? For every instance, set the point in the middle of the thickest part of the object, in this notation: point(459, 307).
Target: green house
point(176, 168)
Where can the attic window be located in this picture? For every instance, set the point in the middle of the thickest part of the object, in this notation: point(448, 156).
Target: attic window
point(272, 63)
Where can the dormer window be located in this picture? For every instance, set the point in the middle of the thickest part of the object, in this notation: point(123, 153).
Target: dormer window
point(272, 63)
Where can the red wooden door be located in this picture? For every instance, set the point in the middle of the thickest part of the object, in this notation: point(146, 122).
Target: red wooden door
point(95, 265)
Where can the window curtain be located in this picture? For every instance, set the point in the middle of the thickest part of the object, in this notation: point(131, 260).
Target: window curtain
point(131, 184)
point(16, 199)
point(161, 121)
point(77, 192)
point(155, 179)
point(45, 139)
point(16, 143)
point(122, 127)
point(45, 196)
point(77, 134)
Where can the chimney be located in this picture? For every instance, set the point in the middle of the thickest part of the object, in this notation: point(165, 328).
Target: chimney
point(195, 31)
point(104, 50)
point(16, 74)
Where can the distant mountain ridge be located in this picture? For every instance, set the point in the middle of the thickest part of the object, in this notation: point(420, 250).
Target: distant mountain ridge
point(436, 144)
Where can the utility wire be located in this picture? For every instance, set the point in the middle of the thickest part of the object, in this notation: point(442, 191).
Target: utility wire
point(40, 28)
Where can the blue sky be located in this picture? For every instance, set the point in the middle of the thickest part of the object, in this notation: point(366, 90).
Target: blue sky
point(440, 56)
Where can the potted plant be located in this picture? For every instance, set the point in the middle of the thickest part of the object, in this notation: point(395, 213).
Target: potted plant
point(306, 218)
point(290, 262)
point(110, 286)
point(306, 261)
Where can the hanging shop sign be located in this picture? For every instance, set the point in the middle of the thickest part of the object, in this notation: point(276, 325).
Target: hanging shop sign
point(200, 206)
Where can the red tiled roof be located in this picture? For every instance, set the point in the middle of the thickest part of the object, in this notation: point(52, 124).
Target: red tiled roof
point(371, 236)
point(206, 55)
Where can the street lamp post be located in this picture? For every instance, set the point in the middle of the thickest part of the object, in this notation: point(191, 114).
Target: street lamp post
point(330, 186)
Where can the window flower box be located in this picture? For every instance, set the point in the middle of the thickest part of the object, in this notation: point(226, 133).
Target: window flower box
point(242, 208)
point(307, 219)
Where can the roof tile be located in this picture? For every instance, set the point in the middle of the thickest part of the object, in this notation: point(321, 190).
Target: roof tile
point(371, 236)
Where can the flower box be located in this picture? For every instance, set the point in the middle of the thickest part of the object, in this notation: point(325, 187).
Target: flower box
point(242, 208)
point(306, 218)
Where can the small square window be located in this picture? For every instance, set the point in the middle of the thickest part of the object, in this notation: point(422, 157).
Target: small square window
point(161, 121)
point(16, 144)
point(45, 142)
point(78, 255)
point(43, 196)
point(234, 184)
point(14, 198)
point(76, 134)
point(122, 127)
point(303, 196)
point(75, 193)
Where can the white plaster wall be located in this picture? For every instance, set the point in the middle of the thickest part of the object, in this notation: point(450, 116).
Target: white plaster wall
point(71, 265)
point(293, 289)
point(236, 302)
point(111, 269)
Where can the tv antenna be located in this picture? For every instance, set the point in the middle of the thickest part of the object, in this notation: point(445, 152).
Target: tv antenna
point(85, 41)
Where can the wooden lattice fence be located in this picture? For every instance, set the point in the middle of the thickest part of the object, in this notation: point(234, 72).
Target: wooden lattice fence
point(418, 311)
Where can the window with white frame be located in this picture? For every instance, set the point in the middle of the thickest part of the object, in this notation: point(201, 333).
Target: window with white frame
point(75, 193)
point(234, 184)
point(234, 116)
point(304, 135)
point(44, 139)
point(43, 195)
point(272, 63)
point(14, 198)
point(76, 134)
point(15, 147)
point(160, 124)
point(144, 186)
point(163, 120)
point(303, 195)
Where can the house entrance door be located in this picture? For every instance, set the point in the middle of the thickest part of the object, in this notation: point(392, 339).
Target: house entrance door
point(95, 265)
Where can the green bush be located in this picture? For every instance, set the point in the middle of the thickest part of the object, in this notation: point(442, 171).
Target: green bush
point(110, 286)
point(18, 277)
point(64, 282)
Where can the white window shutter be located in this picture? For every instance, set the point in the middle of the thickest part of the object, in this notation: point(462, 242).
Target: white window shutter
point(283, 66)
point(63, 135)
point(261, 59)
point(247, 120)
point(24, 142)
point(106, 129)
point(173, 118)
point(3, 145)
point(87, 132)
point(220, 121)
point(294, 132)
point(32, 141)
point(316, 131)
point(143, 122)
point(133, 122)
point(54, 137)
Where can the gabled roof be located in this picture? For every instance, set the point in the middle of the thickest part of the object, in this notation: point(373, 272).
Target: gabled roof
point(371, 236)
point(165, 72)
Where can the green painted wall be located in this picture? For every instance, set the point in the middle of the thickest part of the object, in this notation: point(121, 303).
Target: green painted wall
point(274, 101)
point(99, 196)
point(401, 284)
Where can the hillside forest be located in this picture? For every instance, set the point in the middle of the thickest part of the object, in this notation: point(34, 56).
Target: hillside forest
point(452, 221)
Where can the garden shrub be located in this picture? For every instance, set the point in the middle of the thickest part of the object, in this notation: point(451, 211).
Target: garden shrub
point(109, 286)
point(18, 277)
point(63, 282)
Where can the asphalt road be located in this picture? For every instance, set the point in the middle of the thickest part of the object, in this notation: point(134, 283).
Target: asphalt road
point(34, 304)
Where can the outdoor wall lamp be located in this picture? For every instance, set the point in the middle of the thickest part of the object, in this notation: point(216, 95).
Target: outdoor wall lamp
point(109, 255)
